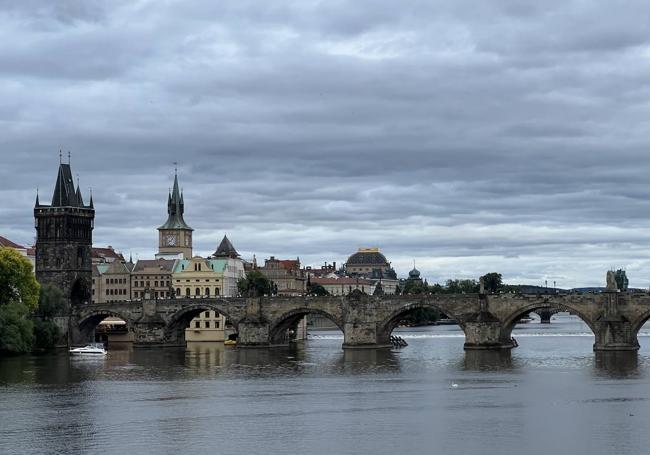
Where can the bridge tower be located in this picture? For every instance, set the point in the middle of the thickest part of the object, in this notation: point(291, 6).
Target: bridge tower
point(64, 242)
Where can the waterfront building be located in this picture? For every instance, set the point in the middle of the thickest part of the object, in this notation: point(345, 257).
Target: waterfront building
point(345, 285)
point(213, 277)
point(371, 264)
point(112, 282)
point(175, 236)
point(154, 275)
point(286, 276)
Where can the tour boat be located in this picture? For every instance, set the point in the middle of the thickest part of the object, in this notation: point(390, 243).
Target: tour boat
point(95, 349)
point(230, 342)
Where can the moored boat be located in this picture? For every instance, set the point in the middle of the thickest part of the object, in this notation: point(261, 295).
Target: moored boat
point(95, 349)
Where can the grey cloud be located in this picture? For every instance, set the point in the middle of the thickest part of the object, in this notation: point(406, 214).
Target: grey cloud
point(470, 136)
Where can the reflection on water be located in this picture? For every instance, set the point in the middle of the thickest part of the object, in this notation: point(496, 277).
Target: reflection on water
point(318, 398)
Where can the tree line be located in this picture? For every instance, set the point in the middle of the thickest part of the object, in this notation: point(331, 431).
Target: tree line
point(27, 309)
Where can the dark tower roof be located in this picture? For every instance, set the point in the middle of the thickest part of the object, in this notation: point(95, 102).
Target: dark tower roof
point(175, 210)
point(64, 192)
point(226, 249)
point(368, 257)
point(80, 199)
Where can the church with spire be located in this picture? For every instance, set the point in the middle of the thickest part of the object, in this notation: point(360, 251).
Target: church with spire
point(175, 236)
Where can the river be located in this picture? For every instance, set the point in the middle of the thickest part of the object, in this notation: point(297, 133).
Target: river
point(551, 395)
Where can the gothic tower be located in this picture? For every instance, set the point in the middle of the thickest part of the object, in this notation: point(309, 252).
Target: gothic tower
point(175, 236)
point(64, 237)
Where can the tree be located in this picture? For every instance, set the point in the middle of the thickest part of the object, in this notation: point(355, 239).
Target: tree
point(51, 303)
point(17, 281)
point(19, 292)
point(317, 290)
point(493, 282)
point(462, 286)
point(414, 287)
point(255, 284)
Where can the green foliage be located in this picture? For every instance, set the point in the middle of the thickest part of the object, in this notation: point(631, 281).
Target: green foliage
point(317, 290)
point(462, 286)
point(255, 283)
point(17, 281)
point(422, 316)
point(50, 303)
point(493, 282)
point(46, 334)
point(16, 329)
point(415, 287)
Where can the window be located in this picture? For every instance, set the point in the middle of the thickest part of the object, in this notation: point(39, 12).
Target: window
point(207, 292)
point(155, 284)
point(197, 324)
point(216, 291)
point(207, 314)
point(197, 292)
point(187, 292)
point(178, 291)
point(207, 324)
point(156, 294)
point(216, 324)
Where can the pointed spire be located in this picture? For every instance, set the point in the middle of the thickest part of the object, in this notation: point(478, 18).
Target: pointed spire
point(92, 206)
point(64, 191)
point(226, 249)
point(175, 208)
point(38, 204)
point(80, 199)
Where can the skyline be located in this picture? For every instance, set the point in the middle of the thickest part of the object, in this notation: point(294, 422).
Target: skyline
point(512, 145)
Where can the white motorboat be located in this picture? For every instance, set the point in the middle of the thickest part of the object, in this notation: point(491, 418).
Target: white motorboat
point(95, 349)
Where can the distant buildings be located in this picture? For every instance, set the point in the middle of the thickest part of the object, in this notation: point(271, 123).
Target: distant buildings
point(286, 276)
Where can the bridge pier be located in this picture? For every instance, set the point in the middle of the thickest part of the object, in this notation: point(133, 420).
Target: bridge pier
point(253, 334)
point(363, 335)
point(613, 331)
point(544, 316)
point(482, 335)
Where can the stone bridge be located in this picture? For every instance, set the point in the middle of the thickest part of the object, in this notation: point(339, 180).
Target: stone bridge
point(367, 321)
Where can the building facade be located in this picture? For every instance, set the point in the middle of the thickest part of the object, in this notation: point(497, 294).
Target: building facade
point(286, 276)
point(153, 275)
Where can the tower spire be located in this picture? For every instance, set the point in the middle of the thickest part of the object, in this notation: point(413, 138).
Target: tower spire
point(37, 201)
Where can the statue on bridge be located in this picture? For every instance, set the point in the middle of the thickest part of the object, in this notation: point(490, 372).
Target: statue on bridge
point(611, 282)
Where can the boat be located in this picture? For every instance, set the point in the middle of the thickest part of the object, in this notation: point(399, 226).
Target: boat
point(230, 343)
point(94, 349)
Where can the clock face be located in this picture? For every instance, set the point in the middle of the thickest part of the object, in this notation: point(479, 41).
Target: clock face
point(170, 240)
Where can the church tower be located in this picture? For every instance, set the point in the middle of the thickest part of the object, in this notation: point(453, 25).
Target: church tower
point(64, 237)
point(175, 236)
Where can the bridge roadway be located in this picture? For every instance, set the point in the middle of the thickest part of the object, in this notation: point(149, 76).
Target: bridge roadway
point(367, 321)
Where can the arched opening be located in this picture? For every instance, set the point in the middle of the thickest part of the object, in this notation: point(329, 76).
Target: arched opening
point(108, 328)
point(302, 324)
point(419, 320)
point(564, 321)
point(80, 294)
point(200, 324)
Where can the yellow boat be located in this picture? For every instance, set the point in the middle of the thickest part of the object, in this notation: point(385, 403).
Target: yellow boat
point(230, 342)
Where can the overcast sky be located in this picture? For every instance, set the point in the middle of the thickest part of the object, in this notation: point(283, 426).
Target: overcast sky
point(468, 136)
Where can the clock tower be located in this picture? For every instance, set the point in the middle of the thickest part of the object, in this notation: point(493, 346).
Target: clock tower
point(175, 236)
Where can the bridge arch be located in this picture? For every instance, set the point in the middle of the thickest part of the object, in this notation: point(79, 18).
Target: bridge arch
point(179, 321)
point(89, 320)
point(638, 323)
point(278, 330)
point(511, 320)
point(388, 324)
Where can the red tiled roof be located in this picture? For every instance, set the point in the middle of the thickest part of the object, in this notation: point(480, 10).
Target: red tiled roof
point(9, 244)
point(106, 253)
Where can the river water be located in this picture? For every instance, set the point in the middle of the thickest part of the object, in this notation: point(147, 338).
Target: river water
point(552, 395)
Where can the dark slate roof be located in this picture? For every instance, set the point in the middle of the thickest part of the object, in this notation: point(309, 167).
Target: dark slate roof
point(175, 210)
point(164, 265)
point(367, 258)
point(64, 192)
point(226, 249)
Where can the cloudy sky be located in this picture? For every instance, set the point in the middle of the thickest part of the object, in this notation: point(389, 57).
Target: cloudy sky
point(468, 136)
